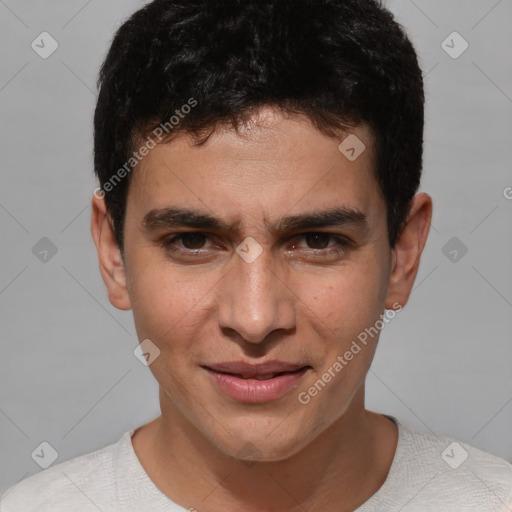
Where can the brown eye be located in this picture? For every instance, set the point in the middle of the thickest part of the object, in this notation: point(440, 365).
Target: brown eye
point(317, 245)
point(317, 240)
point(193, 240)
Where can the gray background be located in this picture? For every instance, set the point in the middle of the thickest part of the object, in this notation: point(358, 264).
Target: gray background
point(68, 373)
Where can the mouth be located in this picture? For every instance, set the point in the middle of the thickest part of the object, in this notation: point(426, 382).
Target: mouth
point(262, 376)
point(256, 384)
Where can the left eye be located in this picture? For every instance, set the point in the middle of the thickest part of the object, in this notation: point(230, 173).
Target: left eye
point(317, 240)
point(320, 241)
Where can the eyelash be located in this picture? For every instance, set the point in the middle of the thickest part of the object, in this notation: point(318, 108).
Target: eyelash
point(342, 244)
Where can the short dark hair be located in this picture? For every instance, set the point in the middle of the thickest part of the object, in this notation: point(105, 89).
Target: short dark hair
point(340, 63)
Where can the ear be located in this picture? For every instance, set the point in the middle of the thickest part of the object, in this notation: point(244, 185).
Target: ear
point(407, 251)
point(111, 262)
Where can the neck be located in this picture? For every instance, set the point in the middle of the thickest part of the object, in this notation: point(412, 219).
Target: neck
point(345, 464)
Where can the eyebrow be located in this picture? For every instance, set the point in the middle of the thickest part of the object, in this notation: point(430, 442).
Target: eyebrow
point(175, 217)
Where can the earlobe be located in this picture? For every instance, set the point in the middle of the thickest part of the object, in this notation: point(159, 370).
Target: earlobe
point(407, 251)
point(109, 255)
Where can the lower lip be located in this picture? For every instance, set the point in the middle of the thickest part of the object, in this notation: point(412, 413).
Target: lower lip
point(255, 391)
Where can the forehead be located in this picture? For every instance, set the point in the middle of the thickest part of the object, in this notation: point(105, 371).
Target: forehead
point(274, 165)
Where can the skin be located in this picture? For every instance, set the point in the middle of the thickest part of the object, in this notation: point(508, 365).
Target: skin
point(293, 303)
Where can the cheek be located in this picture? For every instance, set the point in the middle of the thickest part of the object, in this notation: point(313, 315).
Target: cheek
point(345, 300)
point(161, 299)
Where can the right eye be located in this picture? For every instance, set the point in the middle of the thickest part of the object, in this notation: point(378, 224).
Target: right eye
point(190, 242)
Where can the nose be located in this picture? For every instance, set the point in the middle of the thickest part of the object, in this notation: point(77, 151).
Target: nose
point(255, 301)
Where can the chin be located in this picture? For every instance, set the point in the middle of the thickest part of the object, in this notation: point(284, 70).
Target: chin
point(263, 444)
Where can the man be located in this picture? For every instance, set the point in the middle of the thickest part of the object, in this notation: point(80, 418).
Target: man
point(257, 210)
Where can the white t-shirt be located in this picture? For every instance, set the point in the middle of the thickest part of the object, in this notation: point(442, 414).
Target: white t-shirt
point(429, 474)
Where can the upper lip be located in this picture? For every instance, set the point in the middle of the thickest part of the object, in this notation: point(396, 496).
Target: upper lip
point(248, 370)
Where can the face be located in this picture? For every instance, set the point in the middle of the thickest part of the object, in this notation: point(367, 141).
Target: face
point(253, 262)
